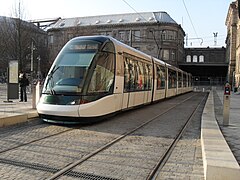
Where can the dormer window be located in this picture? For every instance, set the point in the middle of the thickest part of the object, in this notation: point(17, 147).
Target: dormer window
point(62, 24)
point(137, 19)
point(150, 18)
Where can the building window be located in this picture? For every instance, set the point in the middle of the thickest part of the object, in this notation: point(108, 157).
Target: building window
point(106, 33)
point(171, 35)
point(50, 40)
point(173, 55)
point(195, 58)
point(163, 35)
point(128, 35)
point(188, 59)
point(136, 35)
point(121, 35)
point(201, 58)
point(166, 54)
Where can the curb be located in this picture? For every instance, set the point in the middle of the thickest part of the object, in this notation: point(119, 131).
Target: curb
point(17, 118)
point(218, 160)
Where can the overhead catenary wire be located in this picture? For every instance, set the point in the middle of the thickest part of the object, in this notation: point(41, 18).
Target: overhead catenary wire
point(190, 19)
point(134, 9)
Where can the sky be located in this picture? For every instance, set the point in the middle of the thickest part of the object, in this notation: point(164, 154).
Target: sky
point(200, 19)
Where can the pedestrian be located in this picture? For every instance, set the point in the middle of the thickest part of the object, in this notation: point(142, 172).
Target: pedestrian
point(23, 82)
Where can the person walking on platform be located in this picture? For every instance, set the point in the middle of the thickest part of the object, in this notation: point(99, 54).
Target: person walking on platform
point(23, 82)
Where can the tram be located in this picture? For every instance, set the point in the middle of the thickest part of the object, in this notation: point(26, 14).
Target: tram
point(97, 76)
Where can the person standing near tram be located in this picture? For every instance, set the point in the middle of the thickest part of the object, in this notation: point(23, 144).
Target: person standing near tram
point(23, 83)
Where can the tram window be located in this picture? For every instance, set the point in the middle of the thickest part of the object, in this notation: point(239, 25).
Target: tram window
point(147, 84)
point(140, 79)
point(137, 75)
point(131, 75)
point(109, 47)
point(132, 81)
point(68, 79)
point(160, 77)
point(126, 75)
point(172, 79)
point(184, 80)
point(103, 74)
point(77, 59)
point(179, 79)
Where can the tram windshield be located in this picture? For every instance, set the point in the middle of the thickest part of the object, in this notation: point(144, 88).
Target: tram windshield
point(82, 67)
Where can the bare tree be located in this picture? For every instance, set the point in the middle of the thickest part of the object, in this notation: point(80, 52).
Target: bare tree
point(16, 39)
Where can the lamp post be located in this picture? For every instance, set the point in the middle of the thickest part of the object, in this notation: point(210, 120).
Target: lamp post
point(32, 49)
point(39, 68)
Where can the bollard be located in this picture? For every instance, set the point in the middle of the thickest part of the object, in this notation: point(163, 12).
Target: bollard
point(226, 104)
point(33, 96)
point(38, 92)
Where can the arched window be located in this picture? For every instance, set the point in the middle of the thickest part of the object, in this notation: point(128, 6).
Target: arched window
point(195, 58)
point(188, 59)
point(201, 58)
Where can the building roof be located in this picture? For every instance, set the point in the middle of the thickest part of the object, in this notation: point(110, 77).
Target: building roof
point(115, 19)
point(12, 22)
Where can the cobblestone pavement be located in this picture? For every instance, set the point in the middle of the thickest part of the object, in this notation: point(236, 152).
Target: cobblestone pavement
point(186, 161)
point(135, 156)
point(131, 158)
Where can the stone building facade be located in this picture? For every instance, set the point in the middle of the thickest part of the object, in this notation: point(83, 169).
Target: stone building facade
point(154, 33)
point(208, 66)
point(233, 44)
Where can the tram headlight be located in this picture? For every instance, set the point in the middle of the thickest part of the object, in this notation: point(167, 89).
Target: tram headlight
point(78, 102)
point(73, 103)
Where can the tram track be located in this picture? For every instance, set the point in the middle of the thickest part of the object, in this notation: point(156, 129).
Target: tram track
point(72, 129)
point(68, 169)
point(168, 152)
point(33, 141)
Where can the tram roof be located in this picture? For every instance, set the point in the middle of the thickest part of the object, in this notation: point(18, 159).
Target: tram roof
point(115, 19)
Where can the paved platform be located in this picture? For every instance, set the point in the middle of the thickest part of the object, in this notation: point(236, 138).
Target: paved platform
point(14, 112)
point(220, 144)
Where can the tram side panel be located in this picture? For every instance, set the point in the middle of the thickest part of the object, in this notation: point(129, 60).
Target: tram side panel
point(171, 82)
point(137, 82)
point(180, 89)
point(159, 81)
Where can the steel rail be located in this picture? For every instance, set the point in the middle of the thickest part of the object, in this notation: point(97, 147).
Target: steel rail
point(36, 140)
point(162, 161)
point(69, 167)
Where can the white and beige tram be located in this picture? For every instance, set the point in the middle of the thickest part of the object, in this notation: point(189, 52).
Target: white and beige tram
point(97, 76)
